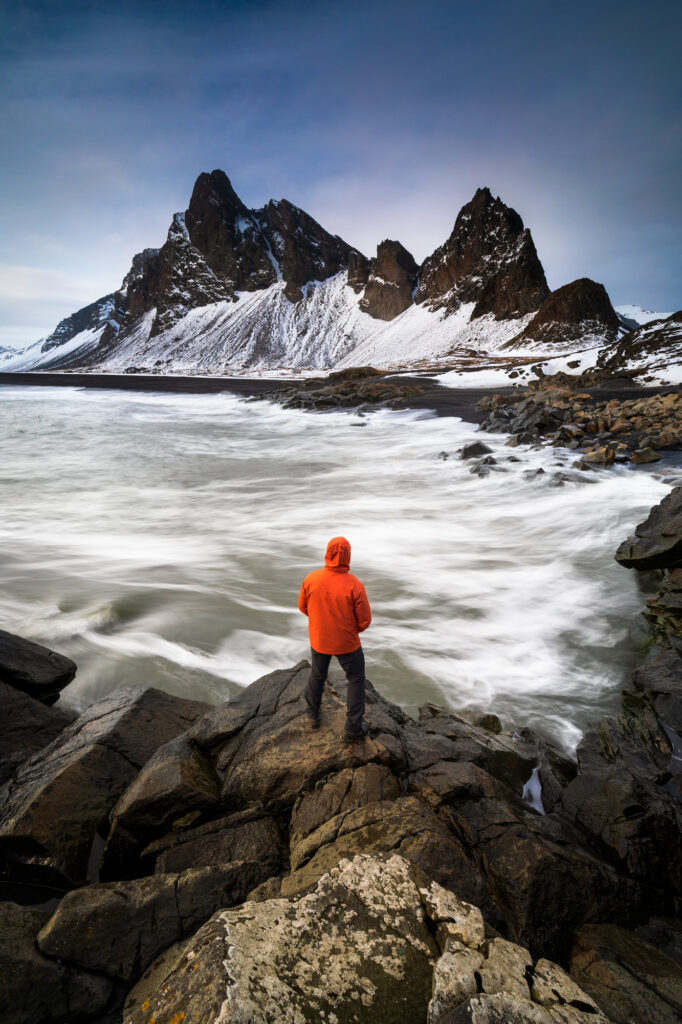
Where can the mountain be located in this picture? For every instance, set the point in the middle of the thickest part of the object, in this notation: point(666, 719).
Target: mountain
point(653, 351)
point(234, 289)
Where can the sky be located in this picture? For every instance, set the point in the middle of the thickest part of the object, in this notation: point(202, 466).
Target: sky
point(378, 119)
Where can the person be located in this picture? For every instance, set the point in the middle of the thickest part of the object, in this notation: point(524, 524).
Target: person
point(338, 611)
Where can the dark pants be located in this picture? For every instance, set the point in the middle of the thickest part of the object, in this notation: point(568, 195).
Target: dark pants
point(354, 666)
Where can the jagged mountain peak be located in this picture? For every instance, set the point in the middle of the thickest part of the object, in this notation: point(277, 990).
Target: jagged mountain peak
point(489, 259)
point(392, 279)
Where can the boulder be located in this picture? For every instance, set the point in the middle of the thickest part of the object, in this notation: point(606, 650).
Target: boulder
point(28, 726)
point(626, 975)
point(53, 807)
point(657, 542)
point(660, 676)
point(473, 450)
point(265, 751)
point(35, 989)
point(357, 948)
point(118, 928)
point(35, 669)
point(645, 454)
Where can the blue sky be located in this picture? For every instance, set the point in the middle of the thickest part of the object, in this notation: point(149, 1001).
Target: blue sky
point(379, 119)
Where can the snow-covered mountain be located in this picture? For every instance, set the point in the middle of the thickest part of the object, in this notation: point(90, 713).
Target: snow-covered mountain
point(237, 290)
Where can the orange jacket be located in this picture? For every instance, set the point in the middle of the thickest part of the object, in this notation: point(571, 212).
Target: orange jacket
point(335, 602)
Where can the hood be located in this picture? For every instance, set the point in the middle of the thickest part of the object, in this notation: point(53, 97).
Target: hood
point(338, 554)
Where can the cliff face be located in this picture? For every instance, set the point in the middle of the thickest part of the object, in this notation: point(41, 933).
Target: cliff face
point(489, 259)
point(393, 277)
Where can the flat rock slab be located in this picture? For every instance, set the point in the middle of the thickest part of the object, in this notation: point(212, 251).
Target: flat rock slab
point(118, 928)
point(27, 726)
point(35, 669)
point(357, 950)
point(53, 806)
point(34, 987)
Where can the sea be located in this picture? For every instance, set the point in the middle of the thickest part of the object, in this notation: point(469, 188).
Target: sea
point(161, 540)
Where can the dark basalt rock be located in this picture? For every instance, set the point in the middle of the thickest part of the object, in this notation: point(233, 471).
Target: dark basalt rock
point(629, 978)
point(118, 928)
point(657, 542)
point(358, 270)
point(489, 259)
point(35, 669)
point(392, 280)
point(569, 314)
point(57, 801)
point(35, 989)
point(27, 727)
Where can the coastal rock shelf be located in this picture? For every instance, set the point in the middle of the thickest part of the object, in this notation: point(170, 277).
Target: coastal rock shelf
point(231, 864)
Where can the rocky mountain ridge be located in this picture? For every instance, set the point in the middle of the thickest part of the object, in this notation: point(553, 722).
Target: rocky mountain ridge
point(236, 289)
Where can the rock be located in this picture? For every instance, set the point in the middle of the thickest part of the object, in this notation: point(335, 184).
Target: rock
point(34, 988)
point(267, 752)
point(246, 835)
point(28, 726)
point(506, 968)
point(645, 454)
point(455, 980)
point(572, 313)
point(599, 457)
point(406, 826)
point(358, 270)
point(657, 542)
point(489, 259)
point(393, 277)
point(627, 975)
point(118, 928)
point(551, 986)
point(473, 450)
point(664, 609)
point(660, 676)
point(356, 948)
point(35, 669)
point(57, 801)
point(456, 921)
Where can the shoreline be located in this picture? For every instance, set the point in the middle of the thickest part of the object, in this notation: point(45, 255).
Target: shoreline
point(437, 398)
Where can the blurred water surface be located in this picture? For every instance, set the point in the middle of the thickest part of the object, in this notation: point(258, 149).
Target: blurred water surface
point(162, 539)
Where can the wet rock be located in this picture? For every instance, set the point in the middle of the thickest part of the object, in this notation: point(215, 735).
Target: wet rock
point(602, 456)
point(118, 928)
point(645, 454)
point(664, 609)
point(660, 676)
point(627, 975)
point(35, 988)
point(358, 944)
point(54, 805)
point(657, 542)
point(28, 726)
point(35, 669)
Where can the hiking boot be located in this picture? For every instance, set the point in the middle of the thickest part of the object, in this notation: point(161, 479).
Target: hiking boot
point(353, 737)
point(313, 720)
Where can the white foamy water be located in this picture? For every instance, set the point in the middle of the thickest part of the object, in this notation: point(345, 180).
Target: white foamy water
point(162, 540)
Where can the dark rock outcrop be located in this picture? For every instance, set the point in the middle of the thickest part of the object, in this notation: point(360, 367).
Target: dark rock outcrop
point(35, 988)
point(358, 270)
point(579, 310)
point(393, 277)
point(489, 259)
point(35, 669)
point(657, 542)
point(359, 386)
point(27, 727)
point(629, 978)
point(52, 808)
point(118, 928)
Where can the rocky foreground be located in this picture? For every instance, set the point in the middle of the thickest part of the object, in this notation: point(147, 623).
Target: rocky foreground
point(194, 864)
